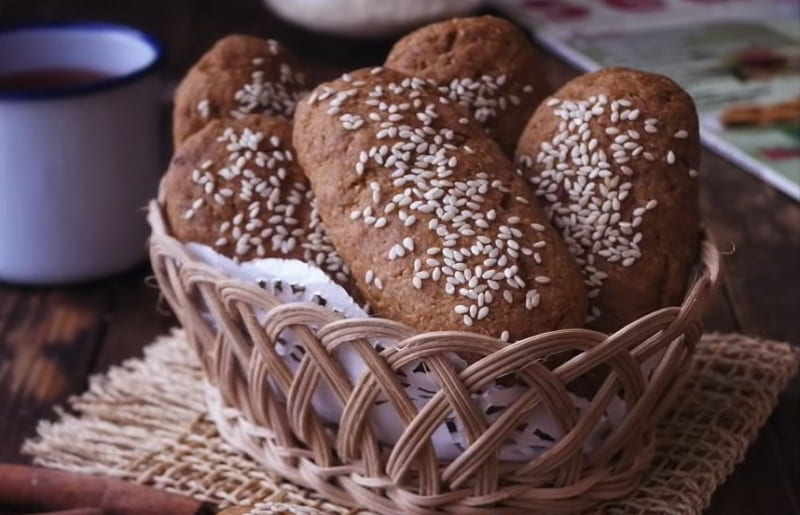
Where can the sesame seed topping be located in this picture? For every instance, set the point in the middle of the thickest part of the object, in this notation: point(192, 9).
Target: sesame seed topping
point(204, 108)
point(484, 97)
point(261, 193)
point(276, 97)
point(419, 159)
point(585, 184)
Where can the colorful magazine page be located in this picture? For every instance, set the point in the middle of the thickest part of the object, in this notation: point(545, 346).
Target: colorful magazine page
point(740, 63)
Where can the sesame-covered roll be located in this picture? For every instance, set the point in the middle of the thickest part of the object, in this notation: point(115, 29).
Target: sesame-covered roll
point(614, 157)
point(427, 211)
point(239, 75)
point(236, 186)
point(483, 64)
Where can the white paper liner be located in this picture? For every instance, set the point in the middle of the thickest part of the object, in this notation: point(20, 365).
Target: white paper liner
point(295, 281)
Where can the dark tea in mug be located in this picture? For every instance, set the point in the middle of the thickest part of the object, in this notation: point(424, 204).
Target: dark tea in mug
point(49, 78)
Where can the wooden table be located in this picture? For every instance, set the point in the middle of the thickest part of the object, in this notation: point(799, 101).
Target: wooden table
point(52, 339)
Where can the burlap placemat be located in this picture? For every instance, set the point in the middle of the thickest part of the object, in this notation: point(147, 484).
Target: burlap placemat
point(144, 421)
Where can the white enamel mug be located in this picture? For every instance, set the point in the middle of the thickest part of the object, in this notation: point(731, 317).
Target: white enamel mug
point(77, 163)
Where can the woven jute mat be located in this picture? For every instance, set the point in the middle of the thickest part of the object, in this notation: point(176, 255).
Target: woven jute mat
point(145, 421)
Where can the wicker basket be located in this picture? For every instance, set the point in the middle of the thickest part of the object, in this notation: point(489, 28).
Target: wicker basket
point(349, 466)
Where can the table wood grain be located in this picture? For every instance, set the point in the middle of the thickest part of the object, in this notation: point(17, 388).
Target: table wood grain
point(52, 339)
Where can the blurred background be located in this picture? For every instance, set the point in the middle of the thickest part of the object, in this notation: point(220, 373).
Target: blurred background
point(739, 59)
point(190, 27)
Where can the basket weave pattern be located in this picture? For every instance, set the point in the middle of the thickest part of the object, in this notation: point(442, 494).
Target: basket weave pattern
point(349, 466)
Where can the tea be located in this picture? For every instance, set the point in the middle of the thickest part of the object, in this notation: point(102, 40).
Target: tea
point(49, 79)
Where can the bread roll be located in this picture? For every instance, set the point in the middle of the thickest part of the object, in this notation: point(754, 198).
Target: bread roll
point(484, 64)
point(235, 185)
point(240, 75)
point(427, 212)
point(614, 155)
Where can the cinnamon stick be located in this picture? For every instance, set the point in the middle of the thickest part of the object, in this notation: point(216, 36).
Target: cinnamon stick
point(45, 489)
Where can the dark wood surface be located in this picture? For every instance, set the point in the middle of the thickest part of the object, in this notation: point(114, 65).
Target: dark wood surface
point(53, 338)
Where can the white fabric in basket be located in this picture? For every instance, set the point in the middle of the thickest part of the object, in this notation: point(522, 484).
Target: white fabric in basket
point(295, 281)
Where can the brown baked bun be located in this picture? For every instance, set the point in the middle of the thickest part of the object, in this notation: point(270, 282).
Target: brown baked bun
point(427, 212)
point(240, 75)
point(613, 155)
point(236, 186)
point(484, 64)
